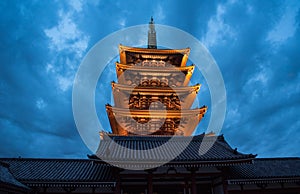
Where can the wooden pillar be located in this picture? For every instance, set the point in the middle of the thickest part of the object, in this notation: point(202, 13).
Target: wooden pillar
point(186, 187)
point(242, 188)
point(225, 187)
point(150, 183)
point(118, 186)
point(194, 188)
point(116, 171)
point(224, 179)
point(193, 179)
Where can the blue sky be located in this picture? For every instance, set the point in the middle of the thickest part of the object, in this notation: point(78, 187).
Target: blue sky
point(255, 44)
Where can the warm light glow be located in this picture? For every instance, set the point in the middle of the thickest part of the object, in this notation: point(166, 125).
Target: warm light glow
point(152, 95)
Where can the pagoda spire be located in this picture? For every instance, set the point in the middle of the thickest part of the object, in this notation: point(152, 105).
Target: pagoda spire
point(152, 35)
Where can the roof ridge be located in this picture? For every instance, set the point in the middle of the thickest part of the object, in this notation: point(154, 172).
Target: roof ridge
point(45, 159)
point(4, 164)
point(228, 147)
point(279, 158)
point(195, 137)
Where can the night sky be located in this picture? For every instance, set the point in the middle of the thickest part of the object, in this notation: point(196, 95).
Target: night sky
point(256, 45)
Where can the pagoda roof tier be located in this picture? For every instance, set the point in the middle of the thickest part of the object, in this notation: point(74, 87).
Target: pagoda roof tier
point(147, 75)
point(142, 122)
point(134, 55)
point(141, 97)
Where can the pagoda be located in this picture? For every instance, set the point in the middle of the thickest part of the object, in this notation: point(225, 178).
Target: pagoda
point(153, 96)
point(151, 150)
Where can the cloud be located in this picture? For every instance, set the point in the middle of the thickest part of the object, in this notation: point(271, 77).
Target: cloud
point(64, 83)
point(35, 119)
point(66, 40)
point(286, 26)
point(122, 22)
point(256, 45)
point(217, 30)
point(76, 4)
point(40, 104)
point(66, 36)
point(261, 84)
point(159, 13)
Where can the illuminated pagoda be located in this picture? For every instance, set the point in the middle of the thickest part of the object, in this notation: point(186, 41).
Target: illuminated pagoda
point(152, 96)
point(152, 118)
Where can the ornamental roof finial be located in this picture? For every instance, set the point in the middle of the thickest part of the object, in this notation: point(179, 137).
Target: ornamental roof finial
point(152, 35)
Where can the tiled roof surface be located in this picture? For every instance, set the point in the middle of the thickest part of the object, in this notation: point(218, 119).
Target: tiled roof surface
point(266, 170)
point(79, 171)
point(8, 179)
point(218, 149)
point(59, 170)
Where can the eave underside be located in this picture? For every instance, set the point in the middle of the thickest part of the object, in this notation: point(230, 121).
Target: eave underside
point(154, 97)
point(133, 55)
point(159, 122)
point(149, 76)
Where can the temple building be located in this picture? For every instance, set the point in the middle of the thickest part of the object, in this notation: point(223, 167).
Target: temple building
point(151, 148)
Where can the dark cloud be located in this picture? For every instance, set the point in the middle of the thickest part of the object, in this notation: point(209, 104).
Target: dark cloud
point(261, 72)
point(35, 117)
point(262, 81)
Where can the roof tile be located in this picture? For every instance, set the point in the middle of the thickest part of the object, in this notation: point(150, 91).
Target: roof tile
point(216, 146)
point(28, 169)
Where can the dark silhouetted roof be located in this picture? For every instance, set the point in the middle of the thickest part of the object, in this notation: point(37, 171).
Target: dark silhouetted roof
point(95, 173)
point(266, 170)
point(7, 179)
point(219, 152)
point(34, 172)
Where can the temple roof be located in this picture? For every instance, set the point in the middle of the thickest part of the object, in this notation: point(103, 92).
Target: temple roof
point(153, 70)
point(158, 113)
point(124, 121)
point(266, 170)
point(134, 55)
point(219, 154)
point(123, 48)
point(164, 90)
point(87, 172)
point(45, 172)
point(124, 95)
point(7, 179)
point(173, 76)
